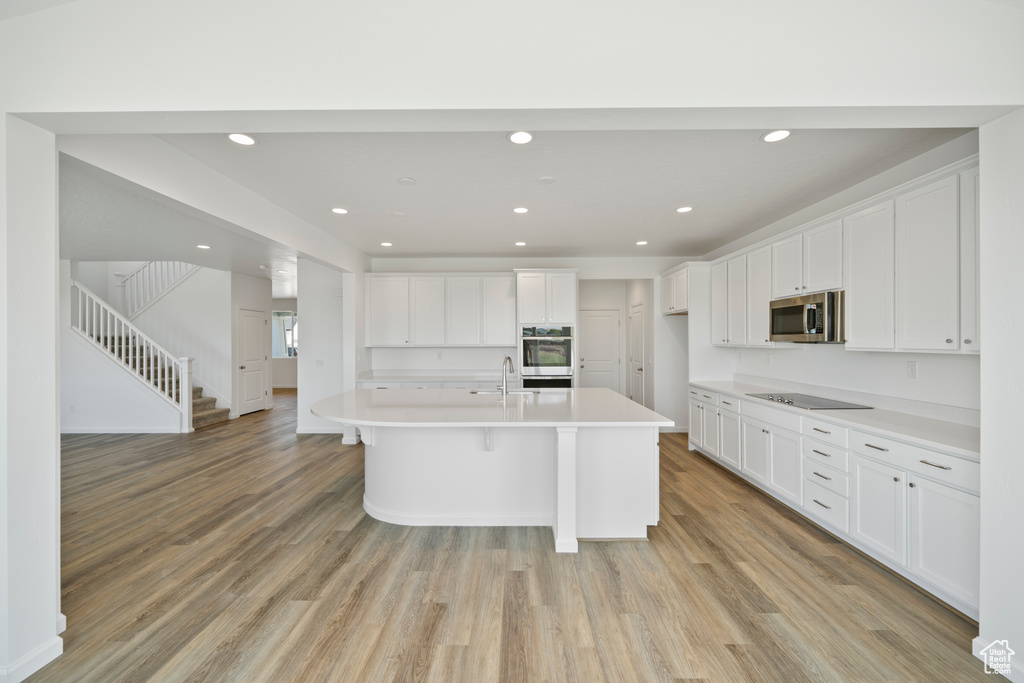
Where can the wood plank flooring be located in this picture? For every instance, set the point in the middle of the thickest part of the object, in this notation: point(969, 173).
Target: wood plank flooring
point(242, 553)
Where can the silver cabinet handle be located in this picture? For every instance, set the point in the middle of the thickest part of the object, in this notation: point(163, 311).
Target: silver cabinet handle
point(895, 478)
point(706, 396)
point(941, 467)
point(822, 504)
point(694, 393)
point(949, 341)
point(827, 455)
point(823, 476)
point(726, 403)
point(796, 289)
point(241, 367)
point(967, 341)
point(912, 484)
point(820, 430)
point(877, 448)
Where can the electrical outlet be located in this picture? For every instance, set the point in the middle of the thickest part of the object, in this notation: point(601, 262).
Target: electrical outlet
point(911, 369)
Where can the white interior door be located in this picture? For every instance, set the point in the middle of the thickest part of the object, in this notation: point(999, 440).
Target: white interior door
point(600, 360)
point(252, 360)
point(636, 353)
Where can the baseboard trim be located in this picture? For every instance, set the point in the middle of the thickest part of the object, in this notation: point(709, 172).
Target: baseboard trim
point(118, 430)
point(404, 519)
point(33, 661)
point(1016, 665)
point(62, 623)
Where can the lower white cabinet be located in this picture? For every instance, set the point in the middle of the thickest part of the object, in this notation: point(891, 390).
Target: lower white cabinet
point(772, 455)
point(729, 440)
point(696, 435)
point(880, 508)
point(944, 537)
point(709, 430)
point(754, 439)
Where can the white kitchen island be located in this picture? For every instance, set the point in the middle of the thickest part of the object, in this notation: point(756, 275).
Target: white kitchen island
point(582, 461)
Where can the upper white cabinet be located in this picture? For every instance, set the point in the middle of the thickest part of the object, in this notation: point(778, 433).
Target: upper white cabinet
point(729, 302)
point(675, 292)
point(927, 267)
point(970, 324)
point(759, 274)
point(811, 261)
point(440, 310)
point(869, 263)
point(546, 297)
point(720, 304)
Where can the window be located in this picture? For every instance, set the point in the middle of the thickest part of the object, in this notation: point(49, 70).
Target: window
point(285, 334)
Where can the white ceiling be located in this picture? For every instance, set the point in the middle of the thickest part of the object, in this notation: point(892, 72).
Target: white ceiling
point(610, 189)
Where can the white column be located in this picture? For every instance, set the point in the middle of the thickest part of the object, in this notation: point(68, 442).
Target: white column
point(565, 491)
point(185, 392)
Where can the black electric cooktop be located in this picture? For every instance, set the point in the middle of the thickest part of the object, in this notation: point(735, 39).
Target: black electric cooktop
point(809, 402)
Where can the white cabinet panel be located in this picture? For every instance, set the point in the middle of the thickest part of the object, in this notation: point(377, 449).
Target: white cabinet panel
point(754, 458)
point(464, 311)
point(970, 323)
point(720, 304)
point(427, 310)
point(879, 508)
point(546, 298)
point(823, 258)
point(499, 310)
point(667, 295)
point(737, 274)
point(945, 527)
point(709, 432)
point(561, 298)
point(531, 297)
point(681, 290)
point(387, 305)
point(785, 472)
point(927, 266)
point(869, 263)
point(696, 435)
point(729, 443)
point(787, 267)
point(759, 275)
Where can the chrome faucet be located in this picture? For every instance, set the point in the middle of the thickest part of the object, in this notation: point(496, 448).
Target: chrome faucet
point(506, 367)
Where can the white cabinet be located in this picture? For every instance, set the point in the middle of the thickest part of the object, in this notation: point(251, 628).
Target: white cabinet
point(869, 262)
point(785, 464)
point(927, 267)
point(704, 430)
point(387, 310)
point(880, 508)
point(675, 292)
point(729, 447)
point(729, 302)
point(499, 310)
point(463, 323)
point(695, 438)
point(754, 457)
point(546, 297)
point(709, 429)
point(945, 537)
point(427, 310)
point(811, 261)
point(759, 274)
point(970, 324)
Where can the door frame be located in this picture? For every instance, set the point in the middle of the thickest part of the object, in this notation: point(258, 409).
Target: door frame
point(639, 305)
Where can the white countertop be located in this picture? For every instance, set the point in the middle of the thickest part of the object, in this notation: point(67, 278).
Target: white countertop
point(952, 437)
point(458, 407)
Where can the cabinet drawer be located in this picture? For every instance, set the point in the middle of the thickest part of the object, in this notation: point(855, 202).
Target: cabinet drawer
point(827, 432)
point(704, 396)
point(775, 418)
point(827, 454)
point(827, 505)
point(826, 477)
point(948, 469)
point(729, 403)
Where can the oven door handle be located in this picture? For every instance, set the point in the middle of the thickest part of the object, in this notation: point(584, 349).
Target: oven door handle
point(809, 311)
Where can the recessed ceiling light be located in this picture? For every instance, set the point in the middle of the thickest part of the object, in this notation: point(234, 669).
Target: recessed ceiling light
point(520, 137)
point(385, 244)
point(283, 272)
point(775, 136)
point(546, 179)
point(684, 209)
point(520, 244)
point(520, 209)
point(641, 243)
point(242, 139)
point(202, 246)
point(263, 266)
point(338, 209)
point(397, 214)
point(407, 181)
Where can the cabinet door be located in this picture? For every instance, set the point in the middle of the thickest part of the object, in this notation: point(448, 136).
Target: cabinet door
point(869, 262)
point(759, 275)
point(754, 456)
point(729, 442)
point(823, 258)
point(696, 425)
point(499, 310)
point(427, 310)
point(464, 310)
point(668, 294)
point(927, 268)
point(945, 529)
point(970, 323)
point(561, 298)
point(787, 267)
point(531, 298)
point(737, 274)
point(785, 464)
point(709, 432)
point(388, 308)
point(720, 304)
point(680, 290)
point(880, 508)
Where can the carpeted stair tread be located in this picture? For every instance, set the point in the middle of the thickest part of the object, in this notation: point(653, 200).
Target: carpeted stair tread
point(205, 403)
point(208, 417)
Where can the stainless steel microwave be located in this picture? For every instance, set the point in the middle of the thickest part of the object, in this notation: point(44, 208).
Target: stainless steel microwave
point(809, 319)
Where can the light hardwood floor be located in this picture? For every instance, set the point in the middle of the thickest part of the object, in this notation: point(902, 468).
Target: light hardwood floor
point(242, 553)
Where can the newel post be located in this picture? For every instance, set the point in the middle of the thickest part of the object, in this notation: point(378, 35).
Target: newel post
point(185, 394)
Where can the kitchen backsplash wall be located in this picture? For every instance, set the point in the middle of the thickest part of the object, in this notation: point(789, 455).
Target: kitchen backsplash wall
point(424, 361)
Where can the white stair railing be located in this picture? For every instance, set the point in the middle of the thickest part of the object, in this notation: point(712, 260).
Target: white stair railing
point(147, 361)
point(146, 283)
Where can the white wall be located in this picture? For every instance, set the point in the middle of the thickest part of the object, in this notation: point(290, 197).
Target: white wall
point(285, 370)
point(1002, 380)
point(195, 319)
point(321, 362)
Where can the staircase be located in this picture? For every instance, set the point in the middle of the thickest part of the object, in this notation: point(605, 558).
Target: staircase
point(205, 411)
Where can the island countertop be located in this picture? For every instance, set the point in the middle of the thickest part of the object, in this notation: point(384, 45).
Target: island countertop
point(459, 407)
